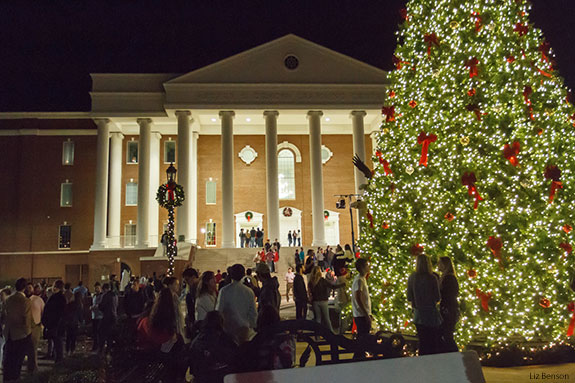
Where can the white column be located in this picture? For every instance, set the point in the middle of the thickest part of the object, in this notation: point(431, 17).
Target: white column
point(273, 202)
point(193, 191)
point(101, 196)
point(115, 192)
point(358, 145)
point(228, 234)
point(184, 170)
point(143, 225)
point(316, 173)
point(154, 209)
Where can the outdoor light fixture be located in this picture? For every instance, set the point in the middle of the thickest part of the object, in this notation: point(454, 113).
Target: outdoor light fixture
point(171, 173)
point(340, 204)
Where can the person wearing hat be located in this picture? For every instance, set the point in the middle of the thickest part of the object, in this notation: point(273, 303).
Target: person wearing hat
point(269, 293)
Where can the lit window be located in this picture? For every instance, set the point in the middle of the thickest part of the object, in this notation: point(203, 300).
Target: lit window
point(132, 152)
point(64, 236)
point(286, 174)
point(129, 235)
point(210, 192)
point(68, 153)
point(66, 194)
point(132, 194)
point(211, 234)
point(169, 152)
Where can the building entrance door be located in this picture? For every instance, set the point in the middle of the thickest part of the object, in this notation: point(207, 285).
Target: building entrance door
point(332, 228)
point(247, 220)
point(290, 220)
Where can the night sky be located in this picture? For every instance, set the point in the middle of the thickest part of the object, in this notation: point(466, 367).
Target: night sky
point(49, 47)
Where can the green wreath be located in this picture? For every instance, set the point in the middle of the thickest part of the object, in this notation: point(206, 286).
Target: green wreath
point(249, 215)
point(163, 198)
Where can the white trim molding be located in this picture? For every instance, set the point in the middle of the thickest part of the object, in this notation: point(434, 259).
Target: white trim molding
point(292, 147)
point(248, 154)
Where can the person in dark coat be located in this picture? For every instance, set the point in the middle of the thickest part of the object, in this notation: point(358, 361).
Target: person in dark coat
point(192, 279)
point(108, 307)
point(269, 293)
point(300, 293)
point(53, 319)
point(448, 306)
point(134, 302)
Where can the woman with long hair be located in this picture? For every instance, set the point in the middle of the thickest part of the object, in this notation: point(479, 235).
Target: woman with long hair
point(161, 325)
point(423, 293)
point(207, 294)
point(449, 307)
point(319, 289)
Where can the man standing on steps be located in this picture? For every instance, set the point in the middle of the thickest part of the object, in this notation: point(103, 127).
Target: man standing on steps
point(299, 294)
point(253, 233)
point(242, 238)
point(289, 277)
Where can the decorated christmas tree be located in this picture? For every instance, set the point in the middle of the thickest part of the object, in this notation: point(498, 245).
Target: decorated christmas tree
point(475, 161)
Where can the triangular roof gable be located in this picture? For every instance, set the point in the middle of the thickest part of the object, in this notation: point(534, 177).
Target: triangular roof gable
point(266, 64)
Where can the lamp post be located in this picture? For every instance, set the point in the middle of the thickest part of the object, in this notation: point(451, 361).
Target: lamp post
point(170, 196)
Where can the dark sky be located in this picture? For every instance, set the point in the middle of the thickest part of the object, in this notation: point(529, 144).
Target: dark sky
point(49, 47)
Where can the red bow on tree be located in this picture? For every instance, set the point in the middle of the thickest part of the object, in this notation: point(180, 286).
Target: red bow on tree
point(370, 219)
point(430, 39)
point(566, 247)
point(403, 13)
point(478, 21)
point(526, 93)
point(424, 139)
point(510, 152)
point(495, 245)
point(384, 162)
point(544, 49)
point(416, 249)
point(389, 112)
point(397, 62)
point(571, 307)
point(468, 179)
point(475, 109)
point(472, 65)
point(485, 298)
point(553, 173)
point(567, 228)
point(521, 29)
point(171, 186)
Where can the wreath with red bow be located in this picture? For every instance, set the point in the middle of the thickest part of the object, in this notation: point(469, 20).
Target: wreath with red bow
point(170, 195)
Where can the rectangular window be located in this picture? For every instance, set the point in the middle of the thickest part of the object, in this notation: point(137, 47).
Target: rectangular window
point(132, 152)
point(169, 152)
point(64, 236)
point(210, 192)
point(129, 235)
point(211, 234)
point(66, 194)
point(132, 194)
point(68, 153)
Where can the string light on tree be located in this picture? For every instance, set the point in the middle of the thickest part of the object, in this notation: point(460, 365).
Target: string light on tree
point(169, 196)
point(477, 117)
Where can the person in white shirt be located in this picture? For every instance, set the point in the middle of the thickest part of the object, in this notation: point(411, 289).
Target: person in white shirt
point(37, 306)
point(361, 302)
point(207, 295)
point(290, 275)
point(236, 302)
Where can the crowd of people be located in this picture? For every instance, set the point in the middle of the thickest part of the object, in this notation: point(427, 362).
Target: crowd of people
point(210, 317)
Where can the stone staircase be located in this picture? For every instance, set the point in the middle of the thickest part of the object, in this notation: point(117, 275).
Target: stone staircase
point(221, 259)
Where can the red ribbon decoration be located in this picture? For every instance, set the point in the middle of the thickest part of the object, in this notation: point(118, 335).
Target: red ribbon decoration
point(511, 151)
point(472, 65)
point(403, 13)
point(416, 249)
point(526, 93)
point(397, 62)
point(571, 307)
point(424, 140)
point(478, 21)
point(475, 109)
point(544, 49)
point(431, 39)
point(171, 186)
point(495, 245)
point(370, 218)
point(468, 179)
point(566, 247)
point(553, 173)
point(485, 298)
point(384, 162)
point(521, 29)
point(567, 228)
point(389, 112)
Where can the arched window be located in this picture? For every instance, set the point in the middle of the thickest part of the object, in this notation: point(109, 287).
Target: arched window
point(286, 174)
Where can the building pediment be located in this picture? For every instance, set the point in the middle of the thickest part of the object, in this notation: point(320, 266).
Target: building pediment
point(287, 60)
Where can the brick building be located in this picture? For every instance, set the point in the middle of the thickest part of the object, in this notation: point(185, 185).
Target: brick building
point(261, 139)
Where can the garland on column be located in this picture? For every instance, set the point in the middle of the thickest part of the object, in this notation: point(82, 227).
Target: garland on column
point(169, 196)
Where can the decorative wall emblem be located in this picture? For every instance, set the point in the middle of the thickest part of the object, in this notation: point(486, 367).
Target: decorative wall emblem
point(248, 154)
point(287, 212)
point(326, 154)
